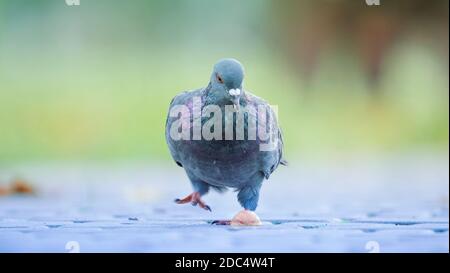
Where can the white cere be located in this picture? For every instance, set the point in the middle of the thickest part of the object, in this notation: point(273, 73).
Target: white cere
point(234, 92)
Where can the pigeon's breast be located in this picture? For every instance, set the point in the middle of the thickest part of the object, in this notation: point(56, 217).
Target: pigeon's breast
point(229, 163)
point(221, 162)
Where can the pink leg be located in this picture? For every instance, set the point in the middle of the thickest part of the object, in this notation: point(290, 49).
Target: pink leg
point(195, 199)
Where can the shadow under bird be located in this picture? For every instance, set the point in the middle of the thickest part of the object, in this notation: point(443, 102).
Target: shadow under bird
point(221, 163)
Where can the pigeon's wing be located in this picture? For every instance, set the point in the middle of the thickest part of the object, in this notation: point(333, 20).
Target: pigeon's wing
point(271, 158)
point(183, 99)
point(169, 120)
point(272, 153)
point(281, 148)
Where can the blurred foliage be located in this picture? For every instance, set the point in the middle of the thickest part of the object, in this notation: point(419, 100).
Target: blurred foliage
point(95, 81)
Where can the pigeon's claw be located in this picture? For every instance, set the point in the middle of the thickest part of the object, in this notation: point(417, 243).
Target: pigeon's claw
point(185, 200)
point(221, 222)
point(194, 199)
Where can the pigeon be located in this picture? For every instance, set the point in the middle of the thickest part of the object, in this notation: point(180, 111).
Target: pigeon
point(224, 160)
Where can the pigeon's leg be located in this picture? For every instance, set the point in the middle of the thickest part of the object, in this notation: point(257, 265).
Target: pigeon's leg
point(248, 198)
point(200, 188)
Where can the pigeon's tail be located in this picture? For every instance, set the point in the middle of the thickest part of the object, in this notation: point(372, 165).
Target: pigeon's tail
point(284, 162)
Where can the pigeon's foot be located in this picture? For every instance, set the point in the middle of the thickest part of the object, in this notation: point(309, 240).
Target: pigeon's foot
point(243, 218)
point(194, 199)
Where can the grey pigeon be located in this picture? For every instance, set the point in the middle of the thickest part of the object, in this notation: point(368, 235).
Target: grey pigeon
point(222, 163)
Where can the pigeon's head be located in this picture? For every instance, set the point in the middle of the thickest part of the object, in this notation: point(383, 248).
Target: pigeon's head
point(226, 81)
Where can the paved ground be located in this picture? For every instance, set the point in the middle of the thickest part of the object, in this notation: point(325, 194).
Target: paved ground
point(361, 206)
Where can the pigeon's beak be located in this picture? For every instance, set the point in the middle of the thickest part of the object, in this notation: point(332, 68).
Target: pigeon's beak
point(235, 96)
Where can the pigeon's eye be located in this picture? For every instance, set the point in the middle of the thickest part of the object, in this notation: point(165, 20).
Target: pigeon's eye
point(219, 79)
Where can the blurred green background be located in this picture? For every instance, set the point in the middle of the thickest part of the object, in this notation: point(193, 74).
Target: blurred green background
point(93, 82)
